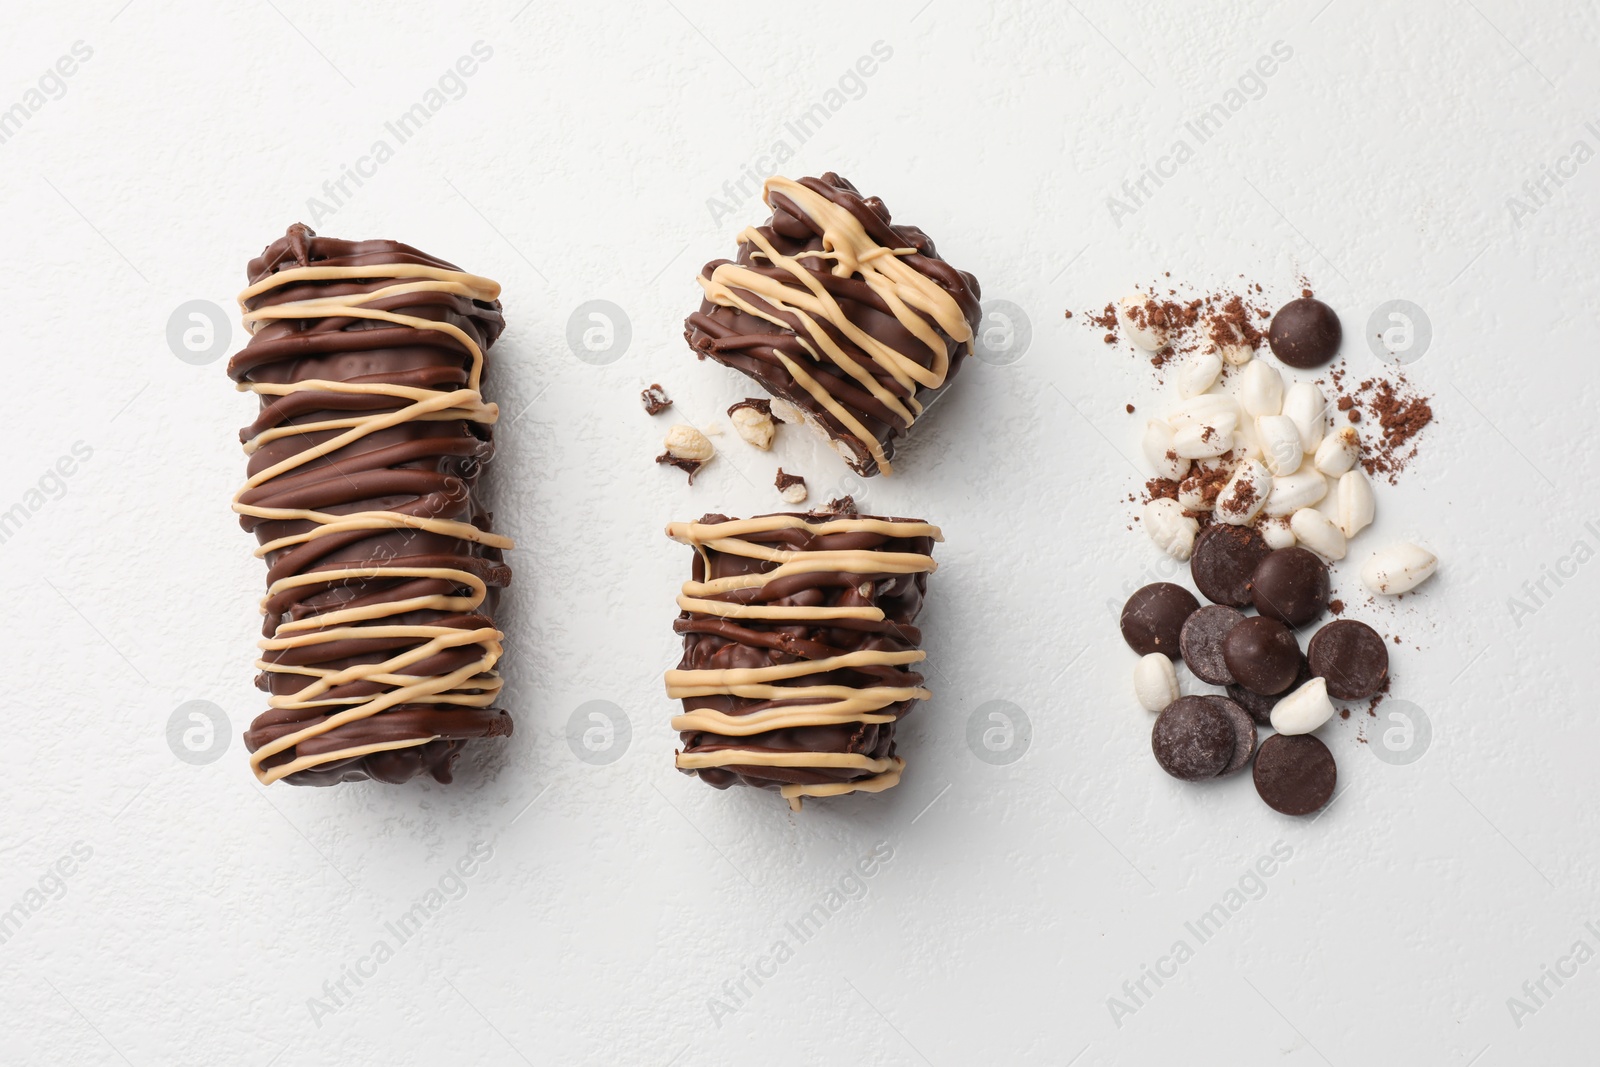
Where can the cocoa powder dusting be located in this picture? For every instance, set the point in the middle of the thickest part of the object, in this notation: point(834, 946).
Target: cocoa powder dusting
point(1401, 414)
point(1192, 324)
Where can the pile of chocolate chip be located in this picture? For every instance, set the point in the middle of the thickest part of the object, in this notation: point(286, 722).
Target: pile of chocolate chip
point(1268, 680)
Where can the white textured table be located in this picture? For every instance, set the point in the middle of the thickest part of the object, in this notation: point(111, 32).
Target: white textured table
point(617, 911)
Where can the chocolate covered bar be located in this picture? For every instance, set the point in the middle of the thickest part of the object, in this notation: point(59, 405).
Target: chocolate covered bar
point(852, 323)
point(798, 642)
point(379, 643)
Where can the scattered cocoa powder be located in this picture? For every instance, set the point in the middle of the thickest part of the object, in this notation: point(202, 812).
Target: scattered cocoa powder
point(1205, 480)
point(1191, 323)
point(1401, 413)
point(1160, 489)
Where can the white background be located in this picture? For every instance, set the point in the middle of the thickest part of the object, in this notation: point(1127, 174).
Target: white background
point(621, 897)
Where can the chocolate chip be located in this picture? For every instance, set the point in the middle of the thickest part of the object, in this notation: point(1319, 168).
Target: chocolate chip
point(1305, 333)
point(1193, 739)
point(1262, 655)
point(1153, 617)
point(1352, 657)
point(1295, 773)
point(1224, 558)
point(1201, 642)
point(1291, 585)
point(1244, 735)
point(1260, 707)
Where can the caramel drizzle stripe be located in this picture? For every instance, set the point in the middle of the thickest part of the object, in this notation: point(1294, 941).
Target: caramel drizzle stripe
point(473, 685)
point(844, 703)
point(729, 610)
point(853, 761)
point(793, 792)
point(715, 534)
point(770, 719)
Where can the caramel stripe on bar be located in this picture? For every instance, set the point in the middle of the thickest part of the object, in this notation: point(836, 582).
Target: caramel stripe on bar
point(854, 325)
point(799, 650)
point(379, 644)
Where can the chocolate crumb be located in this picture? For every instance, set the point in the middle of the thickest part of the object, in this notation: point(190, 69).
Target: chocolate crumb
point(839, 505)
point(1336, 606)
point(691, 467)
point(1130, 409)
point(655, 399)
point(792, 487)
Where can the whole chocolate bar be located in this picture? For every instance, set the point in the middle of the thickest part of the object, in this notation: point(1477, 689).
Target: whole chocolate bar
point(798, 637)
point(853, 324)
point(382, 574)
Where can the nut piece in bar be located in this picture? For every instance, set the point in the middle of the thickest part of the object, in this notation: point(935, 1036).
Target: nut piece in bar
point(379, 643)
point(798, 649)
point(852, 323)
point(752, 420)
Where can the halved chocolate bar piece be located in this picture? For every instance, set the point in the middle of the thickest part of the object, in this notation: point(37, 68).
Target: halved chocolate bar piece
point(853, 324)
point(798, 649)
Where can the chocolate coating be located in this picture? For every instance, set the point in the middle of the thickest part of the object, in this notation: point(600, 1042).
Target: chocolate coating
point(1154, 616)
point(1305, 333)
point(1224, 558)
point(1193, 739)
point(1262, 655)
point(1295, 773)
point(1244, 735)
point(720, 642)
point(1201, 642)
point(756, 339)
point(1352, 657)
point(1291, 585)
point(425, 469)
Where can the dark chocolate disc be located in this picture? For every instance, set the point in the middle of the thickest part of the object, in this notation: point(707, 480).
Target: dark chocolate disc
point(1260, 707)
point(1201, 642)
point(1295, 773)
point(1244, 735)
point(1291, 585)
point(1193, 739)
point(1224, 558)
point(1262, 655)
point(1305, 333)
point(1153, 617)
point(1352, 657)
